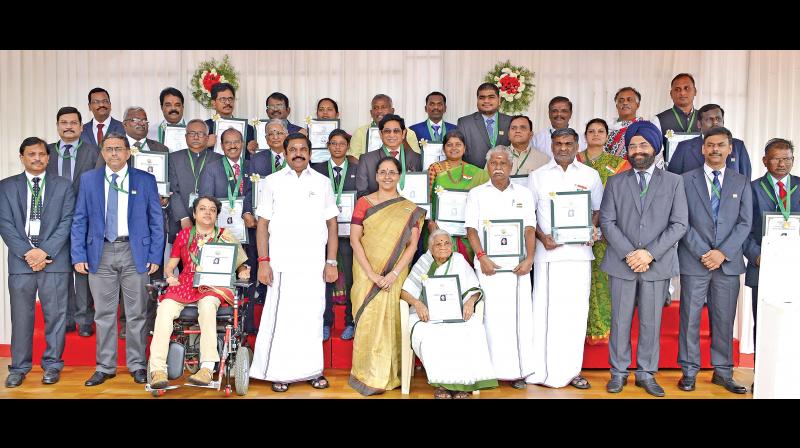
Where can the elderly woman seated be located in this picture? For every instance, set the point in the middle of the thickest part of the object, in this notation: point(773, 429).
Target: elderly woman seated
point(455, 355)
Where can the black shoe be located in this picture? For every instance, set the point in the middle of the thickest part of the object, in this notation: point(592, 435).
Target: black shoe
point(51, 376)
point(85, 330)
point(139, 376)
point(729, 384)
point(753, 388)
point(651, 387)
point(686, 383)
point(616, 384)
point(15, 379)
point(69, 328)
point(98, 377)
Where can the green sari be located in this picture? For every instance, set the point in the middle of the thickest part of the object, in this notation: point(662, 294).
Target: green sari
point(599, 323)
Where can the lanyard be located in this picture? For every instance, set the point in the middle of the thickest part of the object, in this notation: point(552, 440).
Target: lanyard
point(272, 157)
point(119, 187)
point(193, 232)
point(646, 187)
point(402, 163)
point(36, 196)
point(191, 164)
point(690, 121)
point(527, 153)
point(74, 150)
point(337, 188)
point(493, 137)
point(442, 132)
point(232, 194)
point(714, 188)
point(785, 211)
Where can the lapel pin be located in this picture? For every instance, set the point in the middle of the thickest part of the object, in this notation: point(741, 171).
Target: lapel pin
point(133, 191)
point(735, 195)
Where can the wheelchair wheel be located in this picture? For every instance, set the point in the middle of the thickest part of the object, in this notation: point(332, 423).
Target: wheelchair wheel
point(193, 344)
point(241, 370)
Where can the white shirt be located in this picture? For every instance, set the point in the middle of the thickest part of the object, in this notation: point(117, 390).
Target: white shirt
point(132, 141)
point(785, 181)
point(297, 208)
point(552, 178)
point(30, 197)
point(543, 141)
point(486, 202)
point(105, 124)
point(710, 178)
point(122, 198)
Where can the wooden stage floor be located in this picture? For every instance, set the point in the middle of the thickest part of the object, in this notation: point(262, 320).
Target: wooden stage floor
point(122, 386)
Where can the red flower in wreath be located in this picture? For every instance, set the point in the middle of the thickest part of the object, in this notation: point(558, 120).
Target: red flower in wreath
point(509, 84)
point(210, 79)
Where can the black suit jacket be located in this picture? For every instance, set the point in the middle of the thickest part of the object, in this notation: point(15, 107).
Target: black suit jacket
point(182, 184)
point(85, 159)
point(349, 176)
point(368, 163)
point(214, 182)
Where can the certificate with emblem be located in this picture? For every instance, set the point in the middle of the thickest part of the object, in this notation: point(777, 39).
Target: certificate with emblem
point(319, 130)
point(232, 219)
point(673, 138)
point(154, 163)
point(442, 295)
point(216, 266)
point(450, 209)
point(223, 124)
point(373, 139)
point(415, 188)
point(432, 153)
point(774, 223)
point(571, 217)
point(503, 237)
point(175, 137)
point(347, 203)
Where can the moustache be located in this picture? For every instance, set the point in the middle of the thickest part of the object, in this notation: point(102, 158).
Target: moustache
point(173, 112)
point(497, 172)
point(298, 158)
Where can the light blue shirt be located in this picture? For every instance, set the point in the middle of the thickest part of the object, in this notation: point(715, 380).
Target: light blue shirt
point(486, 124)
point(61, 146)
point(648, 174)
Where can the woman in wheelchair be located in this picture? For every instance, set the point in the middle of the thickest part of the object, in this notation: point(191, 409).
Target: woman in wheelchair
point(455, 355)
point(180, 292)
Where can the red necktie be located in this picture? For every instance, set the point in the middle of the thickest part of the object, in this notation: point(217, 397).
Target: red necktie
point(236, 177)
point(394, 153)
point(100, 134)
point(782, 192)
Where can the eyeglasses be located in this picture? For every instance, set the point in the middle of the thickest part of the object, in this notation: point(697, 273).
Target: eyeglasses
point(226, 100)
point(276, 133)
point(781, 160)
point(195, 134)
point(384, 173)
point(97, 102)
point(396, 131)
point(276, 107)
point(643, 145)
point(337, 144)
point(69, 123)
point(112, 150)
point(137, 121)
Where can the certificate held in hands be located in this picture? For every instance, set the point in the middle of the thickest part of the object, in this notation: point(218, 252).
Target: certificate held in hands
point(450, 208)
point(231, 219)
point(347, 203)
point(571, 217)
point(216, 266)
point(319, 130)
point(442, 295)
point(154, 163)
point(415, 188)
point(503, 238)
point(175, 137)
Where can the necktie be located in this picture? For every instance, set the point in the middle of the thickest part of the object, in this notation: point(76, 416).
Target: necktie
point(642, 187)
point(489, 127)
point(236, 177)
point(394, 153)
point(111, 209)
point(66, 164)
point(338, 176)
point(277, 162)
point(36, 208)
point(782, 192)
point(714, 197)
point(436, 132)
point(138, 145)
point(100, 134)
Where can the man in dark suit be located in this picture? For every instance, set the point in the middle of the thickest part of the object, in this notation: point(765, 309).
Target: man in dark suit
point(777, 185)
point(485, 128)
point(35, 224)
point(643, 215)
point(223, 95)
point(434, 128)
point(689, 154)
point(393, 135)
point(278, 109)
point(71, 157)
point(118, 239)
point(711, 259)
point(102, 123)
point(341, 170)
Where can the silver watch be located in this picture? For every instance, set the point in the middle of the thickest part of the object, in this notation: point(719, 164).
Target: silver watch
point(333, 263)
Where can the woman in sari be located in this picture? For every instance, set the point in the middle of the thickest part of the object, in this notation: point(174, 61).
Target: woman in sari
point(453, 174)
point(384, 232)
point(606, 164)
point(180, 292)
point(455, 355)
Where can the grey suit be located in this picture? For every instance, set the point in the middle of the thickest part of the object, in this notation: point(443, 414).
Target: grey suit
point(368, 164)
point(478, 144)
point(627, 227)
point(721, 286)
point(182, 183)
point(79, 309)
point(52, 282)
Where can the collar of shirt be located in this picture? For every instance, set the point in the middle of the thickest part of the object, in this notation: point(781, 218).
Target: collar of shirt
point(334, 164)
point(439, 123)
point(62, 144)
point(31, 176)
point(552, 164)
point(233, 162)
point(132, 141)
point(290, 171)
point(709, 172)
point(775, 181)
point(120, 173)
point(106, 123)
point(649, 172)
point(509, 188)
point(278, 154)
point(680, 111)
point(494, 117)
point(164, 121)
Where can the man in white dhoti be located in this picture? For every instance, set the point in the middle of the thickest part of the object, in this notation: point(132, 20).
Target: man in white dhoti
point(562, 273)
point(508, 316)
point(455, 354)
point(297, 219)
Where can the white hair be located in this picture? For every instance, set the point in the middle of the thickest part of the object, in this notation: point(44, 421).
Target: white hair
point(197, 120)
point(132, 109)
point(499, 149)
point(435, 233)
point(277, 121)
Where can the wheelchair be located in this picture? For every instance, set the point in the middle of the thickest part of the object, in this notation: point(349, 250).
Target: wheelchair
point(232, 345)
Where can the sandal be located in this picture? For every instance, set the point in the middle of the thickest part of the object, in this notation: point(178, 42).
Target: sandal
point(280, 387)
point(519, 384)
point(461, 395)
point(441, 392)
point(579, 382)
point(319, 383)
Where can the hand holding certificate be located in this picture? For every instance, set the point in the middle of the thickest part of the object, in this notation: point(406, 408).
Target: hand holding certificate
point(230, 218)
point(571, 217)
point(450, 208)
point(442, 295)
point(154, 163)
point(503, 238)
point(175, 137)
point(216, 266)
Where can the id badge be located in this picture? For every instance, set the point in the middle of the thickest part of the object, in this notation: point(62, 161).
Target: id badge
point(35, 227)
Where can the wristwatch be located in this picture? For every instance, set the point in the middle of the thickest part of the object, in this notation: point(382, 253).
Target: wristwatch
point(333, 263)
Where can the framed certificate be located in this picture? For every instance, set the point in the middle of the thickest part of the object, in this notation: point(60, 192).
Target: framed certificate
point(673, 138)
point(416, 188)
point(175, 137)
point(454, 228)
point(346, 206)
point(427, 208)
point(519, 179)
point(216, 265)
point(503, 237)
point(432, 153)
point(442, 295)
point(507, 263)
point(258, 189)
point(320, 155)
point(450, 208)
point(571, 217)
point(318, 131)
point(344, 229)
point(373, 139)
point(232, 219)
point(154, 163)
point(261, 134)
point(223, 124)
point(775, 224)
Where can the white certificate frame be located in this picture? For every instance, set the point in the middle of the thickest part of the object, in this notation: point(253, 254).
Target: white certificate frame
point(343, 229)
point(236, 223)
point(441, 294)
point(261, 134)
point(507, 263)
point(432, 153)
point(454, 228)
point(416, 187)
point(672, 143)
point(217, 265)
point(450, 200)
point(519, 179)
point(503, 229)
point(319, 129)
point(772, 223)
point(223, 124)
point(373, 139)
point(346, 207)
point(159, 170)
point(571, 217)
point(175, 137)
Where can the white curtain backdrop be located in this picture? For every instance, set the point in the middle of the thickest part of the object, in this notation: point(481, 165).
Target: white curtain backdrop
point(758, 90)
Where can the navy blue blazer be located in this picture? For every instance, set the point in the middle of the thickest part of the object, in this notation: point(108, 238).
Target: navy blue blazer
point(421, 129)
point(762, 203)
point(251, 135)
point(145, 219)
point(214, 182)
point(292, 128)
point(88, 134)
point(734, 218)
point(689, 155)
point(57, 208)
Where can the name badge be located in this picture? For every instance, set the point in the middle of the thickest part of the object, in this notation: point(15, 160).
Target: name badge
point(35, 227)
